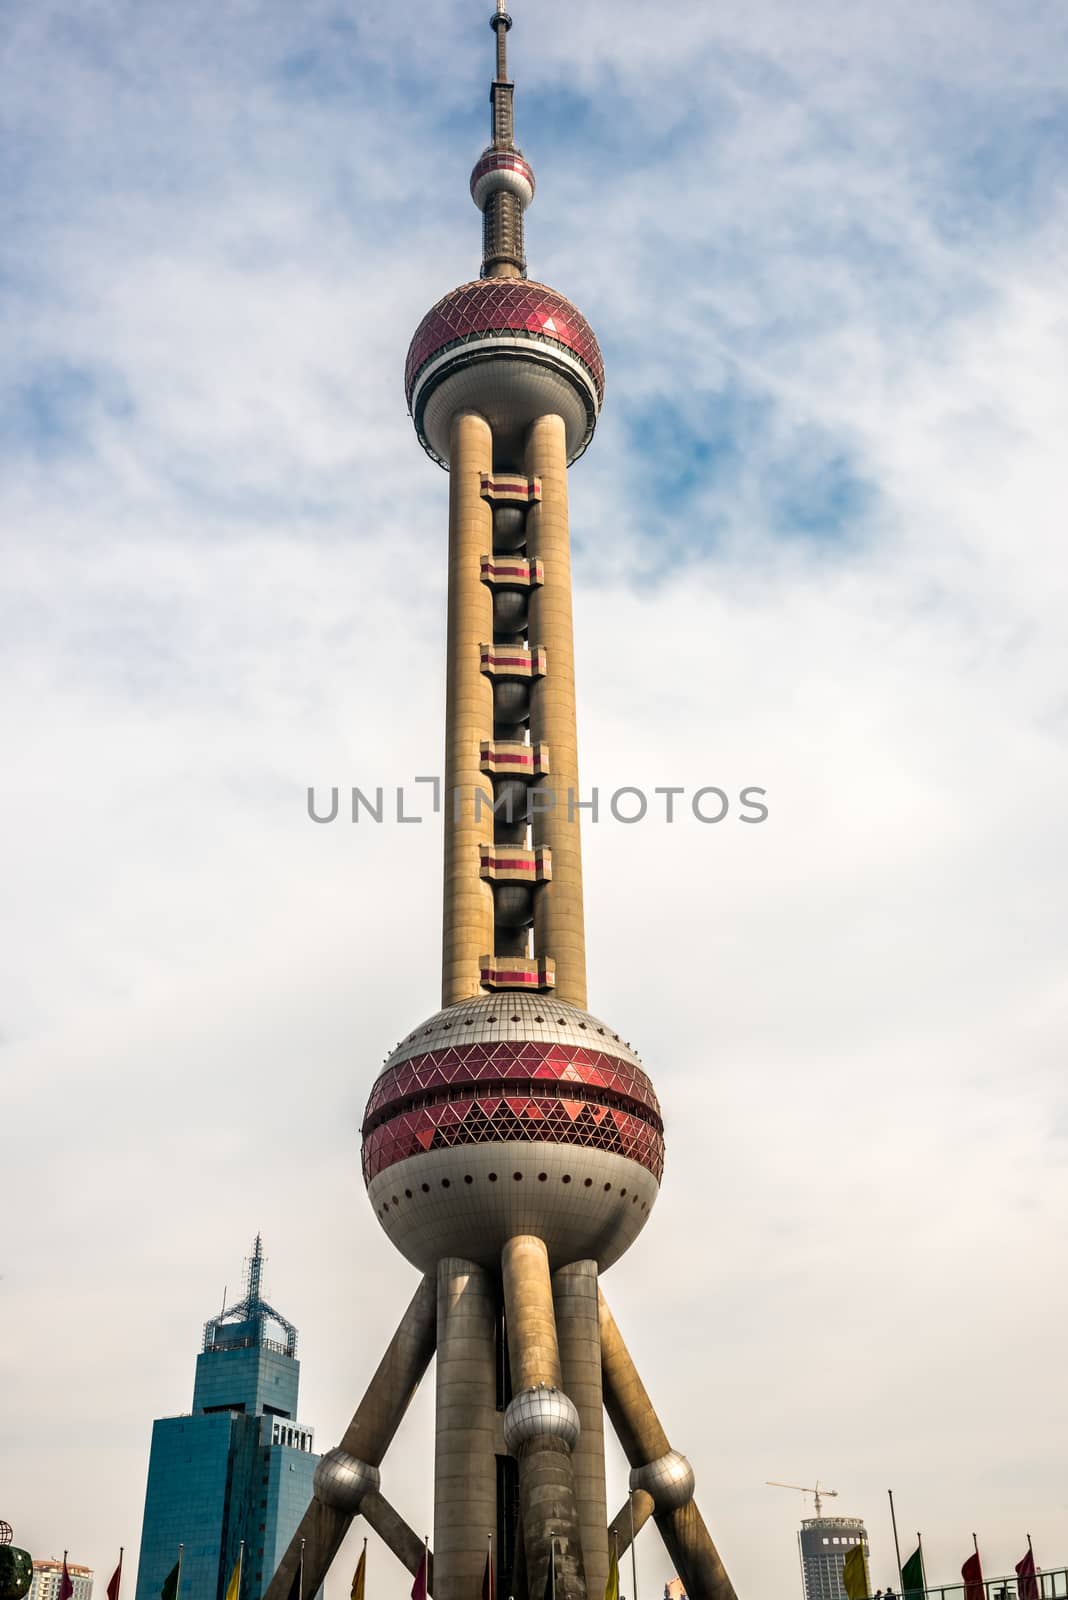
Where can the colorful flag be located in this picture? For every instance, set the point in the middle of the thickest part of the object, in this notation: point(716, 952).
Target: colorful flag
point(611, 1588)
point(854, 1574)
point(66, 1582)
point(359, 1577)
point(1027, 1584)
point(487, 1578)
point(972, 1573)
point(419, 1586)
point(233, 1588)
point(116, 1580)
point(170, 1582)
point(913, 1582)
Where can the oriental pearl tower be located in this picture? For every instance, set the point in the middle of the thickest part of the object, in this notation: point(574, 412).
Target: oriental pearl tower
point(513, 1145)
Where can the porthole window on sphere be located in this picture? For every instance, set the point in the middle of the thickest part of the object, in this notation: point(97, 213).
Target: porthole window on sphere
point(396, 1202)
point(542, 1176)
point(445, 1184)
point(588, 1183)
point(468, 1178)
point(622, 1194)
point(493, 1177)
point(518, 1176)
point(407, 1194)
point(566, 1178)
point(607, 1187)
point(426, 1188)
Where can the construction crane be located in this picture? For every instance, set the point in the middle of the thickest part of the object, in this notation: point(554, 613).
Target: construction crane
point(819, 1491)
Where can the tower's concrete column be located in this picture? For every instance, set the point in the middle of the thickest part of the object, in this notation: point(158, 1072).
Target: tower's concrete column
point(659, 1471)
point(578, 1327)
point(465, 1467)
point(541, 1424)
point(559, 929)
point(468, 912)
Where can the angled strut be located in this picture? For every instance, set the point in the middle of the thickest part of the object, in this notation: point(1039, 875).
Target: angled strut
point(659, 1471)
point(346, 1480)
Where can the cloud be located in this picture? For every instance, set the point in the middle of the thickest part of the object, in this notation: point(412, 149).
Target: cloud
point(818, 549)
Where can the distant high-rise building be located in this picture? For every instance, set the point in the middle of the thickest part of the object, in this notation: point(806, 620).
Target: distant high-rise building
point(825, 1543)
point(240, 1467)
point(47, 1576)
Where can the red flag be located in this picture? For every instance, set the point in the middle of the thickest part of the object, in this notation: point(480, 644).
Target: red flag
point(487, 1581)
point(419, 1586)
point(972, 1573)
point(1027, 1585)
point(116, 1580)
point(66, 1582)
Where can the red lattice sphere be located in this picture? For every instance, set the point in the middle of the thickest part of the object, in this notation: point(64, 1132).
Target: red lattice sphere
point(513, 350)
point(510, 1114)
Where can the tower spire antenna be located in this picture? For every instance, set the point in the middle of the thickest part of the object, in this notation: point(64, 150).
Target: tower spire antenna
point(501, 22)
point(502, 184)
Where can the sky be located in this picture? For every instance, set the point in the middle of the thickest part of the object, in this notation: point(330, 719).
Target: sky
point(818, 549)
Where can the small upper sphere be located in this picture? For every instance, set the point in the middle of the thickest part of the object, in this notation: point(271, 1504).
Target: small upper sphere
point(502, 169)
point(513, 350)
point(512, 1114)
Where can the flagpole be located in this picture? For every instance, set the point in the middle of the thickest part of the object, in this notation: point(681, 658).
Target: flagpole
point(118, 1586)
point(178, 1580)
point(300, 1584)
point(923, 1569)
point(897, 1546)
point(633, 1552)
point(240, 1566)
point(489, 1557)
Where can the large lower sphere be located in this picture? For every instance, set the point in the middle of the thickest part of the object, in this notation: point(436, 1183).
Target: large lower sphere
point(512, 1114)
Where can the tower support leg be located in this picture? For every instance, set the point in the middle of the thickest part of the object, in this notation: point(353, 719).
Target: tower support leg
point(658, 1470)
point(544, 1426)
point(365, 1442)
point(578, 1328)
point(465, 1471)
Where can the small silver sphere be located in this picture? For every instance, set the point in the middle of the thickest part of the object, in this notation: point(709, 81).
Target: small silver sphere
point(513, 905)
point(341, 1481)
point(511, 700)
point(509, 529)
point(510, 612)
point(540, 1413)
point(669, 1480)
point(510, 801)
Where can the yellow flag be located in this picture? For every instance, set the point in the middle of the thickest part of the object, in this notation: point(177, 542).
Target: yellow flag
point(359, 1575)
point(611, 1588)
point(854, 1576)
point(233, 1588)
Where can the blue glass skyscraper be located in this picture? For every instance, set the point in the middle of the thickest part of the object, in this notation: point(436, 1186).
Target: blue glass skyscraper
point(239, 1467)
